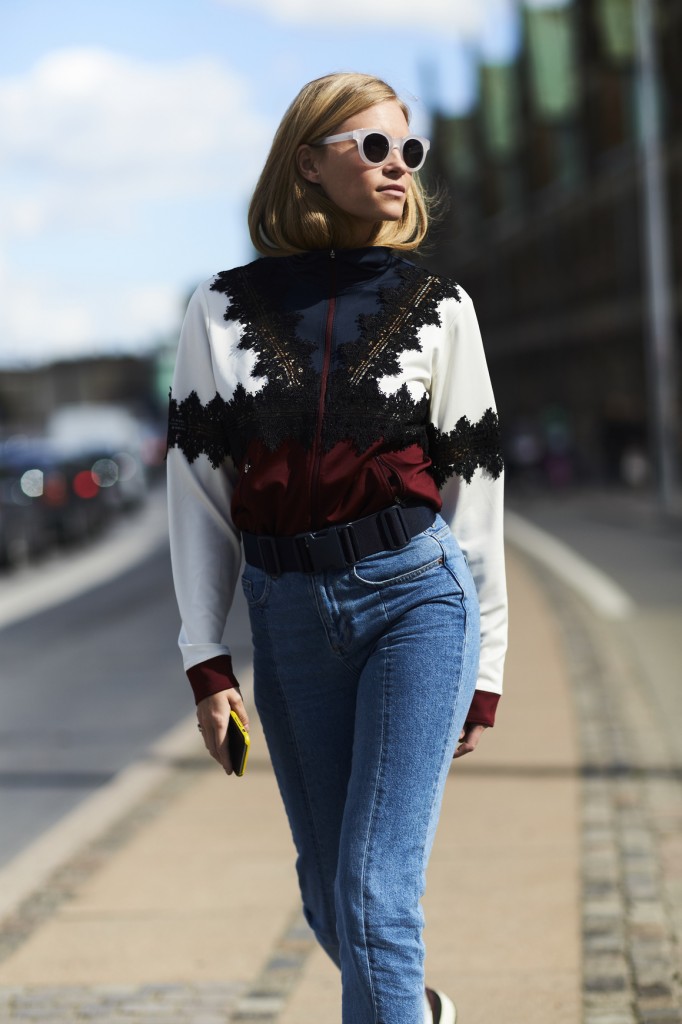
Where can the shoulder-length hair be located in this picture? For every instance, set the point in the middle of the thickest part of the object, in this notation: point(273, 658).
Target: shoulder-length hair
point(289, 214)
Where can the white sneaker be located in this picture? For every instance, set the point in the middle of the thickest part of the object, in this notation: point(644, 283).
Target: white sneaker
point(442, 1007)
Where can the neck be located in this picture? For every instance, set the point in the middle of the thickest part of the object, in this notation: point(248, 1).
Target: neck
point(360, 234)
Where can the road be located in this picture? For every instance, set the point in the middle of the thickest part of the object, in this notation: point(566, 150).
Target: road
point(86, 687)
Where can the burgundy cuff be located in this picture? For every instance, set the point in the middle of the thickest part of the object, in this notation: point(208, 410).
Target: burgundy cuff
point(211, 676)
point(483, 707)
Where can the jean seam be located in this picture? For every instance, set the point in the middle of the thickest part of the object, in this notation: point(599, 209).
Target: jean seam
point(372, 816)
point(437, 531)
point(331, 910)
point(337, 653)
point(435, 784)
point(247, 587)
point(405, 577)
point(455, 712)
point(447, 565)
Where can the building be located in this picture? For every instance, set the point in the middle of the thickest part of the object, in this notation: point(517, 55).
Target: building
point(545, 231)
point(29, 396)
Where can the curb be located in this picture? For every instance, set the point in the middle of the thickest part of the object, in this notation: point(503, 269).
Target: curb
point(30, 869)
point(600, 592)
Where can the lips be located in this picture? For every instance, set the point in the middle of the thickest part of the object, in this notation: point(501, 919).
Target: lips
point(392, 188)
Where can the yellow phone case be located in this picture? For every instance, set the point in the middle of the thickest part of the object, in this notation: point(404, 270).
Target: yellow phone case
point(238, 742)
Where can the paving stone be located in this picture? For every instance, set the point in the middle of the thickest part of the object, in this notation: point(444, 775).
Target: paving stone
point(598, 944)
point(632, 881)
point(605, 983)
point(608, 1017)
point(121, 1004)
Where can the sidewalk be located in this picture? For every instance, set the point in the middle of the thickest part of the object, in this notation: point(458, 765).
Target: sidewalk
point(187, 911)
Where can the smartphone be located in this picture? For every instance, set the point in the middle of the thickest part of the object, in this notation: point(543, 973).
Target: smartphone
point(237, 743)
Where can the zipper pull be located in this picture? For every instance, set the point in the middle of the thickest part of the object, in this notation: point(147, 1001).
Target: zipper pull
point(332, 254)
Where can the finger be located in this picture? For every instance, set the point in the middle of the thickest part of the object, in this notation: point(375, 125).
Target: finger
point(219, 749)
point(203, 735)
point(237, 704)
point(214, 735)
point(464, 748)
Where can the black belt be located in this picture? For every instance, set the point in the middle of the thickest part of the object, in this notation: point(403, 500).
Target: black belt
point(337, 547)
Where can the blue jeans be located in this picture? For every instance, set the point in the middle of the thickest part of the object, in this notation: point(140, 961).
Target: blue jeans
point(363, 678)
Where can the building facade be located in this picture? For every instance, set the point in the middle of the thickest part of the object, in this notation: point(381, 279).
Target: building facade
point(545, 231)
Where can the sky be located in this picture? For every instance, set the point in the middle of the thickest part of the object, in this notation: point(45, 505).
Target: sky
point(132, 134)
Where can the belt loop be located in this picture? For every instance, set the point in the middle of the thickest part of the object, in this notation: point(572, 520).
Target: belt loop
point(267, 549)
point(349, 543)
point(393, 527)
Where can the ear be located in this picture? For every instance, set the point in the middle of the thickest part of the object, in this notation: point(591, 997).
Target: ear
point(307, 161)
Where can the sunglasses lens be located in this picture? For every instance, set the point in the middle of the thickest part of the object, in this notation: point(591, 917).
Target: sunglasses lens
point(375, 147)
point(413, 152)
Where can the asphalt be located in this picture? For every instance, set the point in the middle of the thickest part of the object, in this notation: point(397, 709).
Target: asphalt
point(554, 888)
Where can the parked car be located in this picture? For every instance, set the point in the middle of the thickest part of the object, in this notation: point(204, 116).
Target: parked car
point(107, 440)
point(49, 495)
point(24, 529)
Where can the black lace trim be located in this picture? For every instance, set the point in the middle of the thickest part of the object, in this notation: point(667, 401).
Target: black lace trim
point(198, 429)
point(285, 407)
point(397, 418)
point(270, 333)
point(356, 411)
point(385, 335)
point(467, 447)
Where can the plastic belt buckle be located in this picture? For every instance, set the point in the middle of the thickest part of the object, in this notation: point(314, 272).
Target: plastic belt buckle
point(324, 549)
point(393, 527)
point(267, 549)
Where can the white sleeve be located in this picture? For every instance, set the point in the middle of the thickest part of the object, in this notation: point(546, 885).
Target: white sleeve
point(205, 545)
point(466, 443)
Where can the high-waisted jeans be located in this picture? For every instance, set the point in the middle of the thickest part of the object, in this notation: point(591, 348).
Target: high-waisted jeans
point(363, 678)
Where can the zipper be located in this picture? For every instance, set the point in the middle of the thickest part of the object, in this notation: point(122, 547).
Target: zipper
point(317, 444)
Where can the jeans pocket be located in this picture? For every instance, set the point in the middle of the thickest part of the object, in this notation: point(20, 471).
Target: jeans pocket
point(256, 585)
point(457, 565)
point(421, 555)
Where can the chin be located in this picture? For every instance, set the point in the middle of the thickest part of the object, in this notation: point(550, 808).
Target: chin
point(392, 211)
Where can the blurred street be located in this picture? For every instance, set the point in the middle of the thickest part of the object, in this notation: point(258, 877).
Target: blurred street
point(87, 685)
point(625, 536)
point(573, 912)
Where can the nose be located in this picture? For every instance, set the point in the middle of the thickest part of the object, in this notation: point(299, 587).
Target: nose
point(397, 159)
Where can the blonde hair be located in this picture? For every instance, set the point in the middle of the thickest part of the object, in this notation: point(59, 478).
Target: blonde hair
point(288, 214)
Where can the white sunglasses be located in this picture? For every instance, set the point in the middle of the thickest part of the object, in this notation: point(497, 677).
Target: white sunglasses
point(375, 146)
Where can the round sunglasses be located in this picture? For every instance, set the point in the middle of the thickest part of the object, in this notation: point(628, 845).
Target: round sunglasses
point(375, 146)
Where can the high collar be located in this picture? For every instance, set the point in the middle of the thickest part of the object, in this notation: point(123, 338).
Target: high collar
point(364, 261)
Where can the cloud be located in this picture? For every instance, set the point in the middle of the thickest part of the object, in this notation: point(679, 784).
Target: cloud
point(86, 135)
point(104, 159)
point(41, 320)
point(462, 17)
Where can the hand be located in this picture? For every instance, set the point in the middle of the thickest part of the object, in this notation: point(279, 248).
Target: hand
point(468, 739)
point(213, 714)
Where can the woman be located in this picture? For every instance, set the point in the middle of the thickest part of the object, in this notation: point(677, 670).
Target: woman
point(332, 412)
